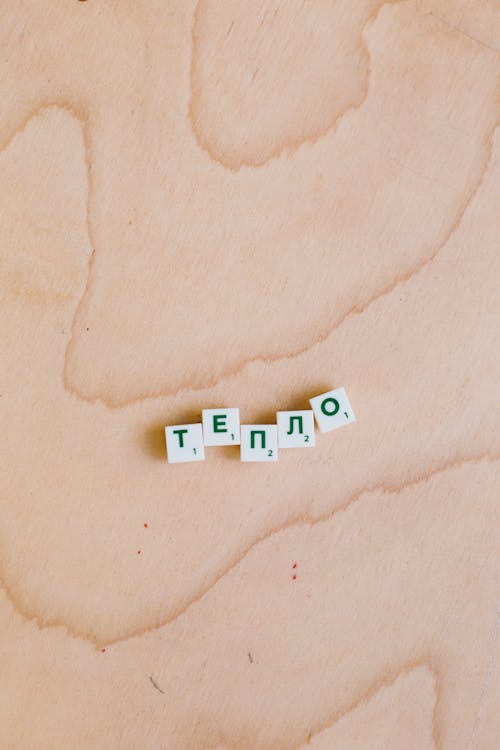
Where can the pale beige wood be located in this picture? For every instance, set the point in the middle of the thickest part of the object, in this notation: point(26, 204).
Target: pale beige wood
point(247, 204)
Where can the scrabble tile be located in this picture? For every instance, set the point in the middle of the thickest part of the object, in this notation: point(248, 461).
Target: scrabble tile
point(295, 429)
point(184, 443)
point(332, 409)
point(259, 442)
point(221, 426)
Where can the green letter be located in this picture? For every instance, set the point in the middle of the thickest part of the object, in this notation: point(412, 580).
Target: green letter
point(181, 438)
point(220, 421)
point(299, 420)
point(336, 407)
point(262, 438)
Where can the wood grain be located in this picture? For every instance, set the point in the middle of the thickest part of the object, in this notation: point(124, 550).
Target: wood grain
point(223, 203)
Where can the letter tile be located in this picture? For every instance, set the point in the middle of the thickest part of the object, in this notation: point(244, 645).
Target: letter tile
point(259, 442)
point(295, 429)
point(184, 443)
point(332, 410)
point(221, 426)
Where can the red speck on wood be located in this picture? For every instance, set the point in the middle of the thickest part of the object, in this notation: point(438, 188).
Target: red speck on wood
point(294, 565)
point(103, 650)
point(145, 526)
point(294, 577)
point(138, 551)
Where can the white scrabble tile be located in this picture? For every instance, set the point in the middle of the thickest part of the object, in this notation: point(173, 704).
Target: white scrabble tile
point(184, 443)
point(221, 426)
point(259, 442)
point(332, 409)
point(295, 429)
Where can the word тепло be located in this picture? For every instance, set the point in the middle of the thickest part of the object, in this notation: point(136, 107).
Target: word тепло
point(258, 442)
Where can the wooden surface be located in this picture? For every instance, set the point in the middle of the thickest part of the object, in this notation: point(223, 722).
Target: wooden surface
point(246, 204)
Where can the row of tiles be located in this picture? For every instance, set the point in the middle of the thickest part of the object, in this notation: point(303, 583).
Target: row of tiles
point(258, 442)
